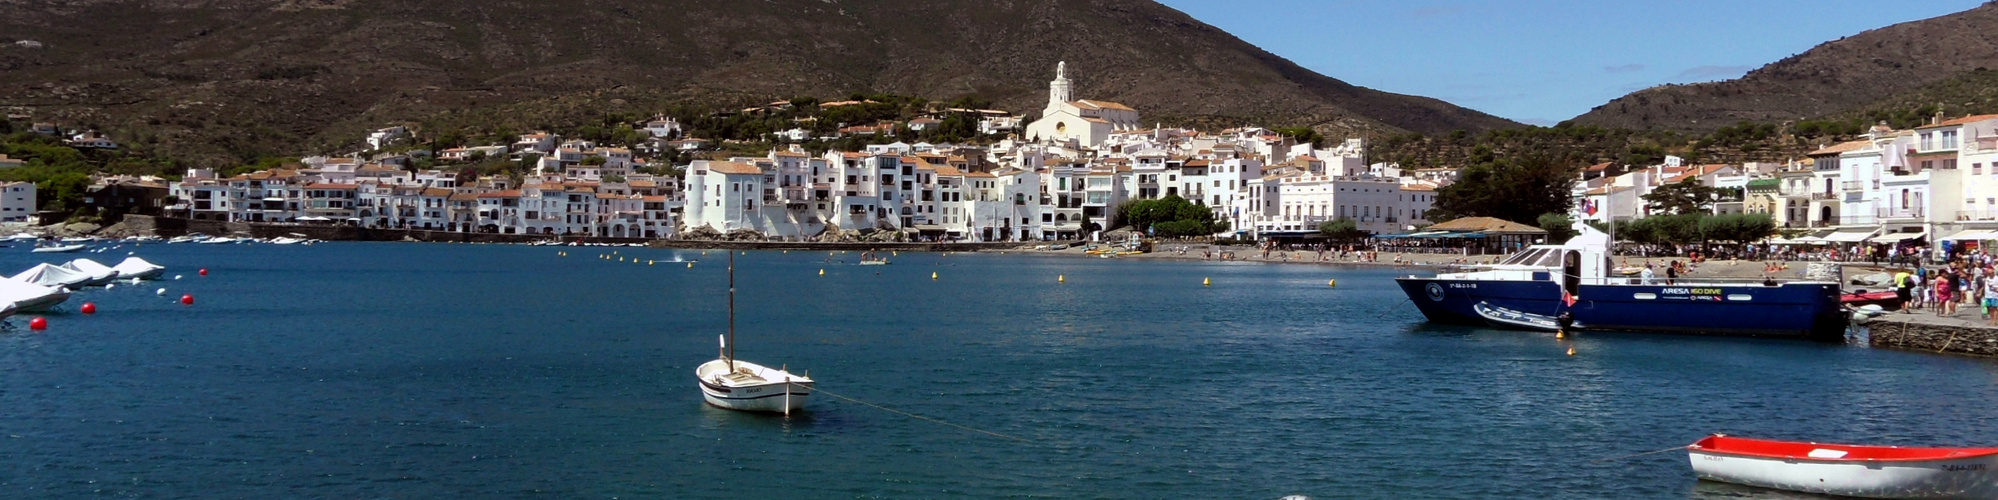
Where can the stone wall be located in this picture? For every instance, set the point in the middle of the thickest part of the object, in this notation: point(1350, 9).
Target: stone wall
point(1901, 334)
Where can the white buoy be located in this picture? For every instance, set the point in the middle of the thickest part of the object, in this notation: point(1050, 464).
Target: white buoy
point(176, 276)
point(108, 286)
point(161, 292)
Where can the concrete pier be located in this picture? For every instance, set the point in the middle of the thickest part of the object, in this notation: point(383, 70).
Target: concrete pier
point(1963, 333)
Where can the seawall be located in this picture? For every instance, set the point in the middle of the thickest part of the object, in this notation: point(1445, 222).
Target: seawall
point(1929, 334)
point(170, 227)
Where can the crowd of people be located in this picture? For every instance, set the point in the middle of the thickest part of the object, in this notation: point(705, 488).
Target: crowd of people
point(1965, 280)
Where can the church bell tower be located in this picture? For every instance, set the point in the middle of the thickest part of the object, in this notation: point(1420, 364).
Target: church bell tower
point(1060, 91)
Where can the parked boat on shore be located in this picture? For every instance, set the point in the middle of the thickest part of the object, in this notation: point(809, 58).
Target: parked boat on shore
point(1575, 278)
point(1848, 470)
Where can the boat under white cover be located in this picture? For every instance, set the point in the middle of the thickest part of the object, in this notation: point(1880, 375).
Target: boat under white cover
point(97, 272)
point(134, 267)
point(1849, 470)
point(752, 387)
point(47, 275)
point(29, 297)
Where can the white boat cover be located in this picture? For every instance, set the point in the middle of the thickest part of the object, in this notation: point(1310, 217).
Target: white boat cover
point(99, 276)
point(47, 275)
point(92, 267)
point(29, 297)
point(134, 267)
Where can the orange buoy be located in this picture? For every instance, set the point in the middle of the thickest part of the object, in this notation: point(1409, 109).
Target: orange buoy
point(187, 300)
point(204, 271)
point(38, 324)
point(88, 308)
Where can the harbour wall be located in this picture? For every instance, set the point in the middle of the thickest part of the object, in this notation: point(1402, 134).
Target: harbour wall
point(1895, 333)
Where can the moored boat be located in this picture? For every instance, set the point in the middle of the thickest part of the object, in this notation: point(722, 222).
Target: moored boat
point(1888, 300)
point(28, 297)
point(58, 248)
point(134, 267)
point(734, 384)
point(1500, 317)
point(1575, 278)
point(1848, 470)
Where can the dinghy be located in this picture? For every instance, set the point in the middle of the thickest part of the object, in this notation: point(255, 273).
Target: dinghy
point(1848, 470)
point(1500, 317)
point(134, 267)
point(29, 297)
point(52, 276)
point(57, 248)
point(98, 273)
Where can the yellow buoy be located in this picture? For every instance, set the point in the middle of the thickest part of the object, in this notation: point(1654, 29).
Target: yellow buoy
point(1331, 282)
point(690, 265)
point(651, 262)
point(933, 275)
point(822, 272)
point(1571, 350)
point(896, 253)
point(1206, 282)
point(1560, 334)
point(1061, 278)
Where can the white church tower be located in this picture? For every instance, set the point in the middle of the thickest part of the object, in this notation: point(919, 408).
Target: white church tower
point(1060, 91)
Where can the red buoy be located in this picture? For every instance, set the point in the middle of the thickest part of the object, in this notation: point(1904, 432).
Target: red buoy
point(187, 300)
point(204, 271)
point(38, 324)
point(89, 308)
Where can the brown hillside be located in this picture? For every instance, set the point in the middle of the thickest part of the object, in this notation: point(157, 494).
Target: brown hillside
point(1829, 79)
point(217, 81)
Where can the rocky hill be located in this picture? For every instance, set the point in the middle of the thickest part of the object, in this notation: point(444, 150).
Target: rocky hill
point(223, 81)
point(1835, 78)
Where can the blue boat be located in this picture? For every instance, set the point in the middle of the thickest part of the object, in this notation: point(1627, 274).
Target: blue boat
point(1542, 280)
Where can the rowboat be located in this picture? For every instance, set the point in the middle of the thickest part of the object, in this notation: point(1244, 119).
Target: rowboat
point(1848, 470)
point(734, 384)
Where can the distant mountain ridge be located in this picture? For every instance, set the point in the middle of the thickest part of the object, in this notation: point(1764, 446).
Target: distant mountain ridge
point(1837, 77)
point(214, 79)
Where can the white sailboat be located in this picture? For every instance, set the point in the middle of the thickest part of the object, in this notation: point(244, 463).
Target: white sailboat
point(735, 384)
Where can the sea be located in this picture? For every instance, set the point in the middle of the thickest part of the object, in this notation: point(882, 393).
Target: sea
point(402, 370)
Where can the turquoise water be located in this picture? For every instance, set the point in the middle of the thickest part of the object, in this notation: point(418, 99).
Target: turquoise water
point(387, 370)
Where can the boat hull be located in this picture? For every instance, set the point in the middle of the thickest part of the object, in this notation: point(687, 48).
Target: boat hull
point(43, 303)
point(57, 249)
point(1964, 478)
point(1800, 310)
point(772, 397)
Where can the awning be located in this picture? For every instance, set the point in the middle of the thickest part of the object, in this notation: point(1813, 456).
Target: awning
point(929, 228)
point(1849, 236)
point(1896, 237)
point(1972, 235)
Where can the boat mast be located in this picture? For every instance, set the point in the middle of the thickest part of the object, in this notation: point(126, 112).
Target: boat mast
point(730, 355)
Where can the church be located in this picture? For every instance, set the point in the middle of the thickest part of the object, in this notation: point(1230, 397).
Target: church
point(1078, 123)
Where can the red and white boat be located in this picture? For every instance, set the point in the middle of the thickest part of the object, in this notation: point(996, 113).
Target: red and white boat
point(1848, 470)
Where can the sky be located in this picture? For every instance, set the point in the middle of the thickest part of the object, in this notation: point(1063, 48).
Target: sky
point(1543, 61)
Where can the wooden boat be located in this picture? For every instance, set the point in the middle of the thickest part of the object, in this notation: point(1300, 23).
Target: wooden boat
point(1848, 470)
point(735, 384)
point(1500, 317)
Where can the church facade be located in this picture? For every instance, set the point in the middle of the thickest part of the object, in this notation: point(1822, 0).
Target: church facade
point(1078, 123)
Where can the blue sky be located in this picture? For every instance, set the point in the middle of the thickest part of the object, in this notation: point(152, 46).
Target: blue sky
point(1542, 61)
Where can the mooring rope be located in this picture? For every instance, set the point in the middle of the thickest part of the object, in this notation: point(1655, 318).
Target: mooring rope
point(920, 417)
point(1627, 457)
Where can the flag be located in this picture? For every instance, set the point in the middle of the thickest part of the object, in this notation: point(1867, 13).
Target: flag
point(1589, 207)
point(1568, 298)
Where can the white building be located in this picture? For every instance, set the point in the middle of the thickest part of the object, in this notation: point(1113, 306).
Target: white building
point(1078, 122)
point(17, 201)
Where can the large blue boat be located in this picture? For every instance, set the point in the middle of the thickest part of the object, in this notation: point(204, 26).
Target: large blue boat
point(1542, 279)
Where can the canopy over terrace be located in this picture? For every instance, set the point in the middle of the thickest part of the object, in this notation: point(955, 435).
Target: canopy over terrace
point(1473, 235)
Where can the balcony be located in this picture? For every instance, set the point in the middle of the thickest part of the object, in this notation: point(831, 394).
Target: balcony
point(1851, 186)
point(1977, 214)
point(1900, 213)
point(1823, 196)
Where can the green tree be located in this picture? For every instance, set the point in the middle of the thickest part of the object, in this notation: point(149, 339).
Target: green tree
point(1515, 188)
point(1683, 197)
point(1343, 228)
point(1558, 225)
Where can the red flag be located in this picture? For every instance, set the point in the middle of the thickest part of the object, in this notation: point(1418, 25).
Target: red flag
point(1568, 298)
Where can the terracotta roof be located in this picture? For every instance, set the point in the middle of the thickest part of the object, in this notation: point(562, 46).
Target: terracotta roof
point(1960, 121)
point(655, 198)
point(1599, 167)
point(1841, 148)
point(733, 168)
point(1487, 225)
point(515, 193)
point(981, 175)
point(324, 185)
point(1088, 104)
